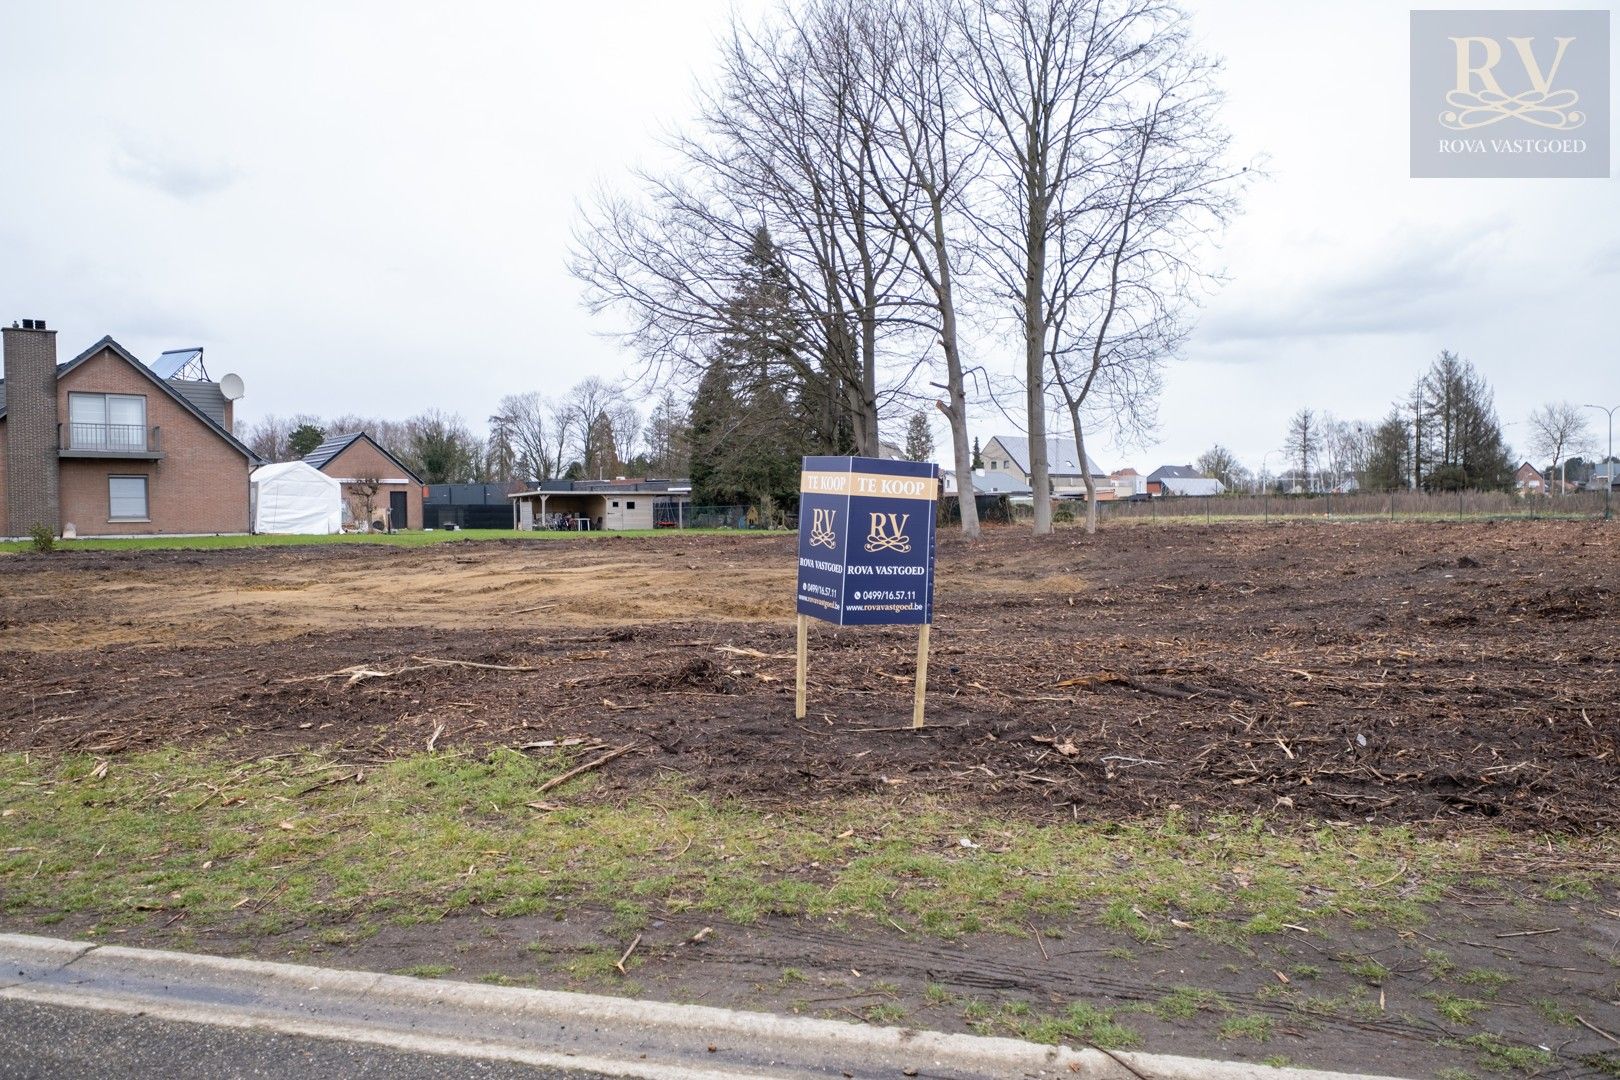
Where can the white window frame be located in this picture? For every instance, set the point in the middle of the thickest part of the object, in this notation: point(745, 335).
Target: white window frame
point(146, 497)
point(105, 443)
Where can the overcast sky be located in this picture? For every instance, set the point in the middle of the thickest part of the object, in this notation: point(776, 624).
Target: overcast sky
point(366, 208)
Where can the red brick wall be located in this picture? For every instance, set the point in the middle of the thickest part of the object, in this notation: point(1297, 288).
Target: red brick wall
point(362, 459)
point(4, 495)
point(199, 486)
point(31, 496)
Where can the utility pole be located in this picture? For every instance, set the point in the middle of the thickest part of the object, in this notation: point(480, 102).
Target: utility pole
point(1608, 475)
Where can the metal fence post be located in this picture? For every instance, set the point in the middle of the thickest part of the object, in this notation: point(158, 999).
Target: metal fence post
point(1206, 509)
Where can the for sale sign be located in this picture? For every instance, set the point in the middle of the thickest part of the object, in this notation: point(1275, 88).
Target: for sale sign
point(866, 540)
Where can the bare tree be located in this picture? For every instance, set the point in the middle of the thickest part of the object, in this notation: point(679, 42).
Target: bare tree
point(271, 437)
point(1557, 430)
point(782, 145)
point(362, 491)
point(625, 427)
point(266, 437)
point(1304, 443)
point(1346, 448)
point(525, 420)
point(1100, 117)
point(584, 415)
point(669, 442)
point(1221, 464)
point(922, 170)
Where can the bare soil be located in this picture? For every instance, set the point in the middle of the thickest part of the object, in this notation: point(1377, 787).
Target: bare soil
point(1445, 676)
point(1367, 672)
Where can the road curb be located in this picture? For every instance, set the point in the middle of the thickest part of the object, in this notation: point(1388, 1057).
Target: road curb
point(616, 1036)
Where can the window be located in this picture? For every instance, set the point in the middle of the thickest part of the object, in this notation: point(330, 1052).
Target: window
point(126, 498)
point(106, 422)
point(630, 504)
point(615, 504)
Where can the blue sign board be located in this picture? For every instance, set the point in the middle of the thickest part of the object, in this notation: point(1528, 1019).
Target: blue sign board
point(866, 540)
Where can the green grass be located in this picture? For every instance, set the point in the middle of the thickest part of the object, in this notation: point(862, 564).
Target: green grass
point(1079, 1023)
point(400, 539)
point(1603, 1063)
point(1484, 980)
point(1370, 970)
point(1184, 1002)
point(1555, 1013)
point(1257, 1028)
point(1498, 1055)
point(427, 971)
point(259, 847)
point(1457, 1010)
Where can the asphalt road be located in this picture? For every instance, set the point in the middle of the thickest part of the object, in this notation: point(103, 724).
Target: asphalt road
point(50, 1042)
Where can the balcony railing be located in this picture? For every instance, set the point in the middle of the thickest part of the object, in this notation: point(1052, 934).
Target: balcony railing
point(89, 438)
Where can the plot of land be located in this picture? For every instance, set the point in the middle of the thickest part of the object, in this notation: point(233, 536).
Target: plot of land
point(1450, 693)
point(1389, 673)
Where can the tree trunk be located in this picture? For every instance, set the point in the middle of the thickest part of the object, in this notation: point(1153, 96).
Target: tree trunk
point(869, 412)
point(1040, 472)
point(956, 413)
point(1091, 483)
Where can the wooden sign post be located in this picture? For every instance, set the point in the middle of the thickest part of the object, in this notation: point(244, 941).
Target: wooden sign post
point(866, 553)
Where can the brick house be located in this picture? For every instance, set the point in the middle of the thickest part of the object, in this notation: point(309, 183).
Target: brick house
point(105, 446)
point(371, 474)
point(1527, 480)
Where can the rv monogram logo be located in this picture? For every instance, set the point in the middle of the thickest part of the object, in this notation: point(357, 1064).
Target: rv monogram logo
point(823, 529)
point(888, 533)
point(1539, 104)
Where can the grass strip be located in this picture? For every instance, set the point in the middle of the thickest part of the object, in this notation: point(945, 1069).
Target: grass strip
point(265, 844)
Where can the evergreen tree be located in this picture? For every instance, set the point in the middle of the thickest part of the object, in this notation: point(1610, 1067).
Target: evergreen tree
point(304, 439)
point(751, 419)
point(1462, 445)
point(919, 437)
point(712, 423)
point(978, 461)
point(1389, 455)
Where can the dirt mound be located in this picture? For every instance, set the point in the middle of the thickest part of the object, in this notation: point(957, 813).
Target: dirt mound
point(1575, 602)
point(700, 673)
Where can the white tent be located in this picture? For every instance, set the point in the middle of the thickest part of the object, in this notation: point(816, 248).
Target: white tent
point(293, 497)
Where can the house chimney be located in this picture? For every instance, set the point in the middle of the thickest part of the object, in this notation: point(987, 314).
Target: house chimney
point(32, 493)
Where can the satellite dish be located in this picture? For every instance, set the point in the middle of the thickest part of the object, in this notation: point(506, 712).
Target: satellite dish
point(231, 387)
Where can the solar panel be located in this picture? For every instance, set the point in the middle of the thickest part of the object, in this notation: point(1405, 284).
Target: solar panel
point(174, 361)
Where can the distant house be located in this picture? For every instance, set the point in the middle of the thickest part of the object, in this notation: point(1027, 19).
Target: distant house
point(1181, 480)
point(602, 504)
point(1010, 454)
point(1172, 486)
point(986, 481)
point(105, 445)
point(377, 486)
point(1527, 480)
point(1127, 482)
